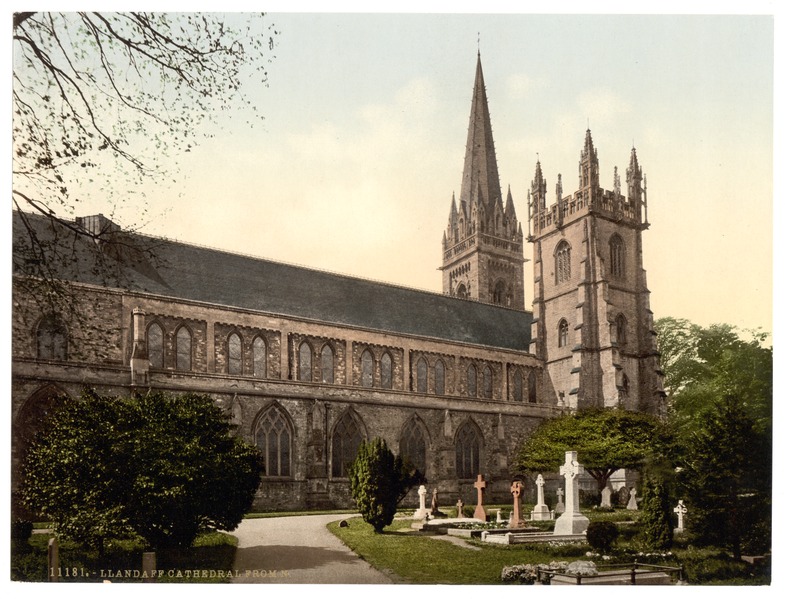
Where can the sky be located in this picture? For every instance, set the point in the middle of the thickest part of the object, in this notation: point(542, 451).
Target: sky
point(365, 121)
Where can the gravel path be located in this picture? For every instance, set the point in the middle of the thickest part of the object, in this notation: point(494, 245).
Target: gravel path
point(298, 549)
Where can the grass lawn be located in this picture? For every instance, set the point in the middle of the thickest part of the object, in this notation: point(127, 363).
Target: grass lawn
point(211, 551)
point(411, 557)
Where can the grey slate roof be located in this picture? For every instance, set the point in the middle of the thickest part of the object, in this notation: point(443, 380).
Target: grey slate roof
point(191, 272)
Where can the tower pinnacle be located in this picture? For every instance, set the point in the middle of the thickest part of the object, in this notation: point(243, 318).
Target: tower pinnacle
point(480, 171)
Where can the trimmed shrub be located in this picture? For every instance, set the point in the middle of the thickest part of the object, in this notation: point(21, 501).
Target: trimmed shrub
point(602, 535)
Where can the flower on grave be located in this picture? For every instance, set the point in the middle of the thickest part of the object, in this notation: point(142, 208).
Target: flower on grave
point(581, 567)
point(521, 573)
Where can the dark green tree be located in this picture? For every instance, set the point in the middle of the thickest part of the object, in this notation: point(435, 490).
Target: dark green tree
point(163, 467)
point(726, 476)
point(379, 481)
point(720, 413)
point(606, 440)
point(656, 516)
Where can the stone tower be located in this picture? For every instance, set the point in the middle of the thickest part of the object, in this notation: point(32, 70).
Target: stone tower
point(592, 324)
point(483, 243)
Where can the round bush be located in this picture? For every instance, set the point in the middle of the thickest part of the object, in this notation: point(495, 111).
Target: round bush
point(602, 535)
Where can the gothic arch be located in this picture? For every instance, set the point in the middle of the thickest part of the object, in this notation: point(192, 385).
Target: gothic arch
point(305, 361)
point(347, 433)
point(234, 353)
point(621, 329)
point(327, 363)
point(155, 338)
point(274, 434)
point(562, 262)
point(414, 442)
point(30, 418)
point(499, 293)
point(617, 255)
point(183, 348)
point(469, 444)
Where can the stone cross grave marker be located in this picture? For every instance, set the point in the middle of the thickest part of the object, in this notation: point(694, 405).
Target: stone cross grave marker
point(571, 522)
point(421, 511)
point(680, 510)
point(540, 511)
point(515, 518)
point(632, 504)
point(459, 508)
point(479, 511)
point(560, 503)
point(606, 494)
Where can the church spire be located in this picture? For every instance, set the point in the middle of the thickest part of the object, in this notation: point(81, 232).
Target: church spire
point(480, 171)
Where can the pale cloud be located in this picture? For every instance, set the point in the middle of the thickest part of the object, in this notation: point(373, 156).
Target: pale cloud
point(521, 87)
point(602, 105)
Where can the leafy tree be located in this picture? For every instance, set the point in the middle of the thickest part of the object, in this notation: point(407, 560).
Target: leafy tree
point(656, 523)
point(606, 440)
point(726, 475)
point(102, 101)
point(721, 416)
point(379, 481)
point(161, 466)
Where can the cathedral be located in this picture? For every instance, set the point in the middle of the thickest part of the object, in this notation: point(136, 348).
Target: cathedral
point(307, 364)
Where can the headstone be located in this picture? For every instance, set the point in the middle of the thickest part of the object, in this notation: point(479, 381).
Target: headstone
point(435, 504)
point(632, 504)
point(479, 511)
point(149, 567)
point(459, 508)
point(499, 517)
point(421, 511)
point(53, 560)
point(571, 522)
point(680, 510)
point(540, 511)
point(606, 494)
point(515, 518)
point(559, 509)
point(624, 496)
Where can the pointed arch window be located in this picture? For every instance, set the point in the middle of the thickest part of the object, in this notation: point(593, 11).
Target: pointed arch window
point(346, 439)
point(621, 329)
point(328, 370)
point(235, 359)
point(462, 291)
point(517, 385)
point(386, 371)
point(563, 332)
point(563, 267)
point(183, 348)
point(471, 381)
point(500, 293)
point(155, 345)
point(51, 339)
point(304, 363)
point(532, 388)
point(259, 348)
point(438, 378)
point(366, 369)
point(487, 382)
point(467, 452)
point(274, 439)
point(413, 444)
point(422, 376)
point(617, 256)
